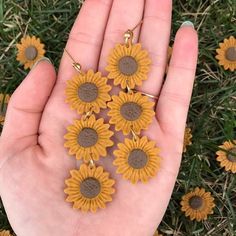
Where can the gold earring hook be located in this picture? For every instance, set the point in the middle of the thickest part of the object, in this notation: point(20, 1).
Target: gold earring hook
point(76, 65)
point(129, 34)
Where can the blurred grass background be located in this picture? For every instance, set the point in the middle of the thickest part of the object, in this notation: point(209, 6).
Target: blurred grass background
point(212, 111)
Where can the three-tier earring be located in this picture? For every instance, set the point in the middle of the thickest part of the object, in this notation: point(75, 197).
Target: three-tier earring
point(89, 187)
point(137, 159)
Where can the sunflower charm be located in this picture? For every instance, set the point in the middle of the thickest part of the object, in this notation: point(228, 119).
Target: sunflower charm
point(130, 111)
point(198, 204)
point(30, 50)
point(89, 188)
point(226, 54)
point(4, 99)
point(227, 156)
point(128, 65)
point(86, 91)
point(137, 159)
point(88, 138)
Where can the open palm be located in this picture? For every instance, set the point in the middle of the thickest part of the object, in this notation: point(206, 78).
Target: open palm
point(33, 161)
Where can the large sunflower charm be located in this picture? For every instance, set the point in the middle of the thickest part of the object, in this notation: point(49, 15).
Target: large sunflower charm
point(137, 159)
point(4, 99)
point(198, 204)
point(89, 188)
point(128, 65)
point(88, 138)
point(29, 51)
point(5, 233)
point(130, 112)
point(87, 91)
point(227, 156)
point(227, 54)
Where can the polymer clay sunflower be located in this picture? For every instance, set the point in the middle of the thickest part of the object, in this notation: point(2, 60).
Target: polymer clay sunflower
point(137, 159)
point(88, 138)
point(5, 233)
point(187, 138)
point(197, 204)
point(226, 54)
point(227, 156)
point(130, 112)
point(29, 51)
point(86, 91)
point(4, 99)
point(89, 188)
point(128, 65)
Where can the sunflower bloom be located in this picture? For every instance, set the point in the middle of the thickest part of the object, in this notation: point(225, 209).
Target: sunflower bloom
point(227, 156)
point(30, 50)
point(89, 188)
point(197, 204)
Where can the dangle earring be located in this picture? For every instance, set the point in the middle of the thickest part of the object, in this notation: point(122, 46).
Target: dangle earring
point(90, 187)
point(137, 159)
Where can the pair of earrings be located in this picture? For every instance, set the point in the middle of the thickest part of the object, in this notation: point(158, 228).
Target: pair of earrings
point(137, 159)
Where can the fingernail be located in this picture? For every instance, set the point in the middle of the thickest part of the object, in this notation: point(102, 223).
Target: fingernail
point(187, 24)
point(39, 60)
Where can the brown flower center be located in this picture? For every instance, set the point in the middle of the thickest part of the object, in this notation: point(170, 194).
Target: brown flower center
point(232, 155)
point(137, 159)
point(196, 202)
point(87, 137)
point(88, 92)
point(127, 65)
point(131, 111)
point(31, 52)
point(230, 54)
point(90, 187)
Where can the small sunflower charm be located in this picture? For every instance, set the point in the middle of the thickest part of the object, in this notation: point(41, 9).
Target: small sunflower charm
point(128, 65)
point(226, 54)
point(187, 138)
point(130, 112)
point(137, 159)
point(29, 51)
point(88, 138)
point(4, 99)
point(197, 204)
point(86, 91)
point(227, 156)
point(89, 188)
point(5, 233)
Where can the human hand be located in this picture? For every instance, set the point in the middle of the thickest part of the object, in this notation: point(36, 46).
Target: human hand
point(33, 161)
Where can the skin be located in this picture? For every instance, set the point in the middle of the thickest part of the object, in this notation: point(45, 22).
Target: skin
point(33, 161)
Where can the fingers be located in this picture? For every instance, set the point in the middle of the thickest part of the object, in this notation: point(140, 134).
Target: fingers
point(26, 106)
point(86, 37)
point(124, 15)
point(173, 104)
point(154, 36)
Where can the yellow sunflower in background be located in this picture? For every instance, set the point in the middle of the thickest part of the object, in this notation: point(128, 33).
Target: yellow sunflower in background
point(227, 156)
point(226, 54)
point(128, 65)
point(137, 160)
point(88, 138)
point(187, 138)
point(5, 233)
point(86, 91)
point(30, 50)
point(197, 204)
point(89, 188)
point(4, 99)
point(130, 111)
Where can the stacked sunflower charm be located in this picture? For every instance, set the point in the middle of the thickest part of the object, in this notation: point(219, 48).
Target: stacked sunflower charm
point(90, 187)
point(137, 159)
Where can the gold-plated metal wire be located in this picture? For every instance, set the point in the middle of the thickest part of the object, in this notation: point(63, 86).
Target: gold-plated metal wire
point(146, 94)
point(88, 113)
point(135, 136)
point(75, 64)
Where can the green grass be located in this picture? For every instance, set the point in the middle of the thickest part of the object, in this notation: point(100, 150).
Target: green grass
point(212, 111)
